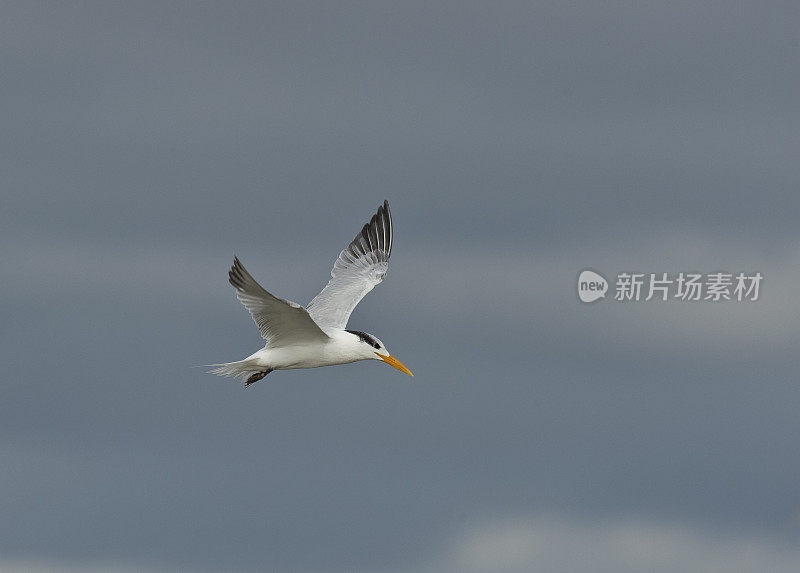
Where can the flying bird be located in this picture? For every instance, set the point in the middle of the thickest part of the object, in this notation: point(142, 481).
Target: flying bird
point(313, 336)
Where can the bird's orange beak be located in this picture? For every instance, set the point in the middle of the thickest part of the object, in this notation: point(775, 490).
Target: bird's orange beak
point(392, 361)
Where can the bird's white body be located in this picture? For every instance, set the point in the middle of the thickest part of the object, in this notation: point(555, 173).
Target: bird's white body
point(299, 337)
point(342, 348)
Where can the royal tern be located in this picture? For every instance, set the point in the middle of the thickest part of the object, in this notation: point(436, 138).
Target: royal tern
point(315, 336)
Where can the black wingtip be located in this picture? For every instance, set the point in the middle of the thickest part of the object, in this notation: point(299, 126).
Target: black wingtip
point(235, 274)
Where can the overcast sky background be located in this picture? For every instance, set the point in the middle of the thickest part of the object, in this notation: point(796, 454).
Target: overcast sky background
point(143, 144)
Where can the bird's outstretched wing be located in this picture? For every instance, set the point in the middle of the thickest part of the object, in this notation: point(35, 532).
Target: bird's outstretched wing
point(281, 322)
point(361, 266)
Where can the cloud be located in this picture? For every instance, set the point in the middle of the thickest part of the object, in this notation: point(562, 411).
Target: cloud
point(552, 543)
point(558, 543)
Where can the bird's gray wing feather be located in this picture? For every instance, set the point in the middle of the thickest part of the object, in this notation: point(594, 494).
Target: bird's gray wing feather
point(361, 266)
point(281, 322)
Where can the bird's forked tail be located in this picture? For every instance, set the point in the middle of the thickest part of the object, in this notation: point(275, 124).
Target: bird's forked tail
point(243, 369)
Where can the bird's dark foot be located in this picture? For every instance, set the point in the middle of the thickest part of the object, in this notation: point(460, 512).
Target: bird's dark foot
point(256, 377)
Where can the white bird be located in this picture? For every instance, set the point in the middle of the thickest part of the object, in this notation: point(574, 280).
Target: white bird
point(315, 336)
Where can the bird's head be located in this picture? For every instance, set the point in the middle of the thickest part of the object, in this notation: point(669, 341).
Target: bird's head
point(371, 348)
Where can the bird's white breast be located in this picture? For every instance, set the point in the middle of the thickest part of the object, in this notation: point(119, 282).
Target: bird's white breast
point(340, 349)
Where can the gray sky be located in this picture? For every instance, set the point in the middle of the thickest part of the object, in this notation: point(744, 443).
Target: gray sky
point(518, 143)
